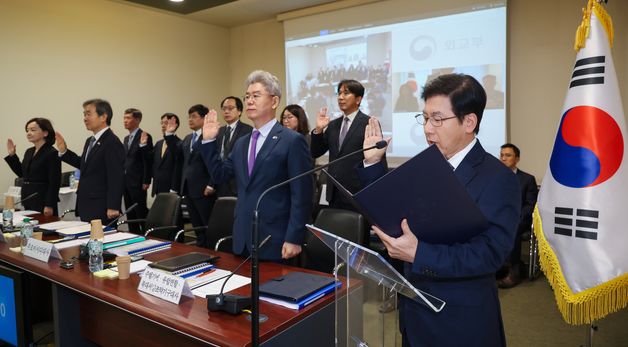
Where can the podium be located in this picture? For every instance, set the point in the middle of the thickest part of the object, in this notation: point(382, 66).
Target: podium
point(362, 318)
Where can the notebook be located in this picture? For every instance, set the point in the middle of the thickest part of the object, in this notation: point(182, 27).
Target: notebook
point(183, 262)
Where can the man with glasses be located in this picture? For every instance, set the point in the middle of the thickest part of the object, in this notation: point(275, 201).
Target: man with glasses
point(161, 157)
point(462, 274)
point(231, 107)
point(268, 156)
point(342, 136)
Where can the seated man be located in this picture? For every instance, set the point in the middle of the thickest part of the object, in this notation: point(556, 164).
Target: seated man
point(461, 274)
point(510, 156)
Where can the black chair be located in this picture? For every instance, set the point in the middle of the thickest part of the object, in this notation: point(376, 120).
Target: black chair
point(220, 225)
point(65, 178)
point(162, 218)
point(346, 224)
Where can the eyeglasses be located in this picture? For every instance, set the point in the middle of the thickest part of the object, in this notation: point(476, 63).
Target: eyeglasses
point(435, 119)
point(255, 97)
point(228, 108)
point(287, 116)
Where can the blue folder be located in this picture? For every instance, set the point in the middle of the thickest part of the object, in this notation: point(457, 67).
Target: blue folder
point(426, 191)
point(298, 288)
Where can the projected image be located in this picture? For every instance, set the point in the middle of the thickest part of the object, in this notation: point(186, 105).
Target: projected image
point(315, 70)
point(394, 62)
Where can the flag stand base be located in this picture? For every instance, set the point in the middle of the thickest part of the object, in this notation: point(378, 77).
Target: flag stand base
point(592, 329)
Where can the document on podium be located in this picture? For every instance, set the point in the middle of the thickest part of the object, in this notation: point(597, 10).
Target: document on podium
point(426, 191)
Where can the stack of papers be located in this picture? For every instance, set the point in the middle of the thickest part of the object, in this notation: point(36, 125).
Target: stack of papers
point(62, 224)
point(214, 282)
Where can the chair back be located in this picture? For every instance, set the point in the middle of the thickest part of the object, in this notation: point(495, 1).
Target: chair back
point(163, 212)
point(220, 222)
point(346, 224)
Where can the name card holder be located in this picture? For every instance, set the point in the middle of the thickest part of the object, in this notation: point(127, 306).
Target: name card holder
point(41, 250)
point(164, 286)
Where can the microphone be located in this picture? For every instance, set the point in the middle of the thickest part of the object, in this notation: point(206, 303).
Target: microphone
point(27, 198)
point(231, 303)
point(113, 221)
point(254, 254)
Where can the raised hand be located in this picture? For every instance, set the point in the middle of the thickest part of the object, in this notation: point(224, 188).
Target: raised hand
point(10, 147)
point(171, 125)
point(144, 138)
point(210, 126)
point(372, 135)
point(60, 142)
point(322, 120)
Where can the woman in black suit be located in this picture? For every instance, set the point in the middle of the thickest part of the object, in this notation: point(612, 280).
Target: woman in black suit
point(41, 168)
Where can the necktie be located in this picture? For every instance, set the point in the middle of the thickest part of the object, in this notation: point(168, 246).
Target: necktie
point(254, 137)
point(128, 144)
point(92, 140)
point(343, 130)
point(193, 141)
point(164, 146)
point(225, 143)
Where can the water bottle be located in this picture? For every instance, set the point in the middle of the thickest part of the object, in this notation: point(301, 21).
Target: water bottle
point(26, 232)
point(94, 246)
point(72, 183)
point(7, 219)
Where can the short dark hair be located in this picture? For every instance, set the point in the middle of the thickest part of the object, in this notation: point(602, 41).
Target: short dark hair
point(237, 100)
point(102, 107)
point(514, 149)
point(198, 108)
point(45, 125)
point(137, 114)
point(169, 115)
point(303, 127)
point(464, 92)
point(356, 88)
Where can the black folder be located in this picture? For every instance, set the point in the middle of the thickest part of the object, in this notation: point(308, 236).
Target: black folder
point(426, 191)
point(295, 286)
point(183, 261)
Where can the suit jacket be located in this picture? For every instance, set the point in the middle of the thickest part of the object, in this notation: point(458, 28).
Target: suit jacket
point(41, 172)
point(190, 172)
point(102, 177)
point(242, 129)
point(162, 168)
point(284, 211)
point(343, 171)
point(463, 274)
point(529, 193)
point(137, 170)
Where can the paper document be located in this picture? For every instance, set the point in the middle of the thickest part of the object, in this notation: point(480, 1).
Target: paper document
point(136, 266)
point(219, 276)
point(62, 224)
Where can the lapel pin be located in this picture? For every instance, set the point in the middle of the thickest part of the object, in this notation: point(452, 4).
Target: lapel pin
point(275, 137)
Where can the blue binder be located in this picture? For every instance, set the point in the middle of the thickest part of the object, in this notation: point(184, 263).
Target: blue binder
point(426, 191)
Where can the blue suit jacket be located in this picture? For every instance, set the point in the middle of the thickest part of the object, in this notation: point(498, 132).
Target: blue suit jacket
point(463, 274)
point(284, 211)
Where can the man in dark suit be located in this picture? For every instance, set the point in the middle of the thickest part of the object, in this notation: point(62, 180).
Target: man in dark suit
point(342, 136)
point(227, 135)
point(192, 179)
point(99, 194)
point(137, 171)
point(270, 155)
point(510, 156)
point(161, 157)
point(461, 274)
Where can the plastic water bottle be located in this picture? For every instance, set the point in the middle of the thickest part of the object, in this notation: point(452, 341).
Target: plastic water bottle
point(94, 246)
point(72, 181)
point(7, 219)
point(26, 232)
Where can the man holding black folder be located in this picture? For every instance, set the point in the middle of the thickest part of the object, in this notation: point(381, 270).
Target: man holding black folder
point(462, 273)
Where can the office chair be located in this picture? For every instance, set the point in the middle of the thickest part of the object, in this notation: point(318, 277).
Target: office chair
point(219, 230)
point(346, 224)
point(162, 218)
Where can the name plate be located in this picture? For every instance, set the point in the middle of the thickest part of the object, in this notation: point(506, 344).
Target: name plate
point(164, 286)
point(41, 250)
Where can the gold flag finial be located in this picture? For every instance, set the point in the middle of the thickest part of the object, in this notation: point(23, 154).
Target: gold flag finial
point(593, 6)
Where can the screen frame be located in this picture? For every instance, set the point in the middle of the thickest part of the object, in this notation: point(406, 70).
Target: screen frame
point(19, 291)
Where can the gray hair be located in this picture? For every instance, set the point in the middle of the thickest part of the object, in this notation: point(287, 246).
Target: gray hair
point(265, 78)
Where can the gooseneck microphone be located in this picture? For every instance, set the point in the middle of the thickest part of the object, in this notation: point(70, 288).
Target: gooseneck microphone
point(27, 198)
point(254, 248)
point(231, 303)
point(113, 221)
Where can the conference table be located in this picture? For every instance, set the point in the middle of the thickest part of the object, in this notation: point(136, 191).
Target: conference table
point(90, 311)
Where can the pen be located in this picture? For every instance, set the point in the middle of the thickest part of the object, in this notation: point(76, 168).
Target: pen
point(206, 272)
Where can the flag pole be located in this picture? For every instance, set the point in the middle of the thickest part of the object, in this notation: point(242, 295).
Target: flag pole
point(592, 329)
